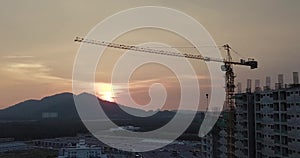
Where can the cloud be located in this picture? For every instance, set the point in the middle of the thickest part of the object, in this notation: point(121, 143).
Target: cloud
point(172, 82)
point(18, 57)
point(30, 72)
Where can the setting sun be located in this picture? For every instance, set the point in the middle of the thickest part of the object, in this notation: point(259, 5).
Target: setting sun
point(108, 96)
point(105, 91)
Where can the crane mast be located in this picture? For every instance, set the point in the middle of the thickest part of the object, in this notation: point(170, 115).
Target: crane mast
point(227, 67)
point(229, 102)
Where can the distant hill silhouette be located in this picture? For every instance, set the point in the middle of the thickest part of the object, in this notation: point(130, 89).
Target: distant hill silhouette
point(63, 104)
point(24, 120)
point(33, 109)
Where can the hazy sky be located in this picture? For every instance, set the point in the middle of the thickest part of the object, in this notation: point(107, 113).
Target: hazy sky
point(37, 49)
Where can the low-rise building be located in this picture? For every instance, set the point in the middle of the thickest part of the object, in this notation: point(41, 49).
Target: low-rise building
point(82, 151)
point(13, 146)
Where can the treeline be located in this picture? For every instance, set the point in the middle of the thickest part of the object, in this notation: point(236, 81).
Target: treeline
point(42, 129)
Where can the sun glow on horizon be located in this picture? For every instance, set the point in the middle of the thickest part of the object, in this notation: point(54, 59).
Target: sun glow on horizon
point(105, 92)
point(108, 96)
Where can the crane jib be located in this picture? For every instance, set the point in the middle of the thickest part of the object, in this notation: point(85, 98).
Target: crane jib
point(250, 62)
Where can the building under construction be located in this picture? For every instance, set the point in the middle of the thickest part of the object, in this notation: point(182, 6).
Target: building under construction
point(267, 119)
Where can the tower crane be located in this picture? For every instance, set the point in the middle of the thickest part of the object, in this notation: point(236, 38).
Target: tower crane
point(227, 67)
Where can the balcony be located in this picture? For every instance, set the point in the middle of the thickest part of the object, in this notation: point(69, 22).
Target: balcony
point(293, 110)
point(277, 152)
point(276, 118)
point(268, 120)
point(223, 155)
point(239, 144)
point(277, 141)
point(223, 133)
point(269, 141)
point(293, 121)
point(258, 119)
point(223, 149)
point(267, 130)
point(277, 131)
point(240, 127)
point(239, 136)
point(294, 145)
point(269, 151)
point(284, 132)
point(222, 141)
point(294, 133)
point(284, 120)
point(239, 111)
point(239, 153)
point(259, 139)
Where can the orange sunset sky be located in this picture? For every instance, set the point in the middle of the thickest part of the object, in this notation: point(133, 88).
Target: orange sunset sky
point(37, 51)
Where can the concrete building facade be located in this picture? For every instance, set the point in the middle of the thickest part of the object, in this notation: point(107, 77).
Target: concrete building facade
point(277, 122)
point(267, 121)
point(244, 126)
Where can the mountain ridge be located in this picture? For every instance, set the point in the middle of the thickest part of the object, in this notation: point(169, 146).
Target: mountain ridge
point(25, 120)
point(63, 104)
